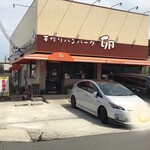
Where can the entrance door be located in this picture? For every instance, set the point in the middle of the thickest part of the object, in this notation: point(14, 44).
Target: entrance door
point(53, 77)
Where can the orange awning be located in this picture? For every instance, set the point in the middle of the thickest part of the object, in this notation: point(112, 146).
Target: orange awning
point(66, 57)
point(26, 58)
point(16, 67)
point(111, 61)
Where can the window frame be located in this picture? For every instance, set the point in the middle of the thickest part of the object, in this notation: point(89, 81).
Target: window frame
point(33, 76)
point(98, 91)
point(82, 83)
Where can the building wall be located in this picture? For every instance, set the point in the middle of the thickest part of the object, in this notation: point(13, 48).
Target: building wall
point(23, 75)
point(99, 71)
point(4, 69)
point(70, 19)
point(40, 74)
point(1, 69)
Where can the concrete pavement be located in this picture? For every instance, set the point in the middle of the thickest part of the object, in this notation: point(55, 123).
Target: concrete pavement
point(14, 135)
point(48, 121)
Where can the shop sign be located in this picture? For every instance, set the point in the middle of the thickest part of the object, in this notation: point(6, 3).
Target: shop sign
point(60, 57)
point(115, 62)
point(104, 41)
point(4, 86)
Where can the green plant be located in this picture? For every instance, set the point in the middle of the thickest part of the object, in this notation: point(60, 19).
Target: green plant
point(17, 90)
point(145, 70)
point(68, 88)
point(21, 90)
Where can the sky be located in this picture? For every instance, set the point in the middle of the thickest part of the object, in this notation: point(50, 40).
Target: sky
point(10, 17)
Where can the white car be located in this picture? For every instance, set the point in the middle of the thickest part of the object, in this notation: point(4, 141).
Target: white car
point(108, 100)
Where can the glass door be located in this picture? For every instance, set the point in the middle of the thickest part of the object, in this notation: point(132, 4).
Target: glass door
point(53, 77)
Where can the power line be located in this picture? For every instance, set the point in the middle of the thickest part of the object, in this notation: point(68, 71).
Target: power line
point(6, 35)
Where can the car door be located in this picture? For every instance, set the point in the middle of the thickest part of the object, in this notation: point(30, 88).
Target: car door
point(91, 101)
point(81, 93)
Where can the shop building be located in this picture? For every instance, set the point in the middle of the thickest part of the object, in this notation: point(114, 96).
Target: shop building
point(59, 42)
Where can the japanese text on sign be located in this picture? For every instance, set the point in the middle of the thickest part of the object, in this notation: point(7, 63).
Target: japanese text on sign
point(104, 41)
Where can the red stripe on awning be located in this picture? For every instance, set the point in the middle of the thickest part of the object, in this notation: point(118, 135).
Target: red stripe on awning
point(111, 61)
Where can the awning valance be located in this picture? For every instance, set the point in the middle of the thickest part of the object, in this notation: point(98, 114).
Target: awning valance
point(16, 67)
point(66, 57)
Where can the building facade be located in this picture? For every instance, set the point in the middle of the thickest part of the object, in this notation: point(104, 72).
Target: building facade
point(60, 42)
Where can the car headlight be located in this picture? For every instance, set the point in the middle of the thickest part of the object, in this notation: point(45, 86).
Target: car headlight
point(116, 106)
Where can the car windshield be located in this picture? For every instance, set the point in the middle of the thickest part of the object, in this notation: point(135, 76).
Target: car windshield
point(113, 89)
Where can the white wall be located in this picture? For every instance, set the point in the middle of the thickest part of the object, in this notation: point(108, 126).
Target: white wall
point(40, 74)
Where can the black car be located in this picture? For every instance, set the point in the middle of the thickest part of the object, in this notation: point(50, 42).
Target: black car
point(135, 82)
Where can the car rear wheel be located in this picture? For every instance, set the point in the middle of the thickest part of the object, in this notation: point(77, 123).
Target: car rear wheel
point(73, 102)
point(103, 115)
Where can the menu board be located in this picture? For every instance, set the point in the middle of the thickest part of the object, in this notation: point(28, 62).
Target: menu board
point(35, 89)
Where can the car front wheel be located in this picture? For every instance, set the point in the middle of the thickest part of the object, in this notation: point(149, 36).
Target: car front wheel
point(103, 115)
point(73, 102)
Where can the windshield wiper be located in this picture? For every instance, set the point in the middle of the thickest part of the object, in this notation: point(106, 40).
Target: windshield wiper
point(125, 94)
point(132, 94)
point(120, 95)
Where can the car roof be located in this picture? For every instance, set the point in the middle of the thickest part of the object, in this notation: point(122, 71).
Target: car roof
point(101, 81)
point(134, 74)
point(107, 81)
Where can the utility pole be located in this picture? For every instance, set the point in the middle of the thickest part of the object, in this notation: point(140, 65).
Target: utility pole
point(5, 58)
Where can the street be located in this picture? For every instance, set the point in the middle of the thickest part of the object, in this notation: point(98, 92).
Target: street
point(115, 141)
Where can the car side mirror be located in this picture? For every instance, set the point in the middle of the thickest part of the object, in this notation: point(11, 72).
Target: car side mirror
point(95, 94)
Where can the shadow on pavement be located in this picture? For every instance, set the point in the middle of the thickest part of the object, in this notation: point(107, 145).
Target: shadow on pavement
point(91, 118)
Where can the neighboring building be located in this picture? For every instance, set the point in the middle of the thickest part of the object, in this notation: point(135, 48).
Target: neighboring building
point(63, 41)
point(4, 69)
point(146, 69)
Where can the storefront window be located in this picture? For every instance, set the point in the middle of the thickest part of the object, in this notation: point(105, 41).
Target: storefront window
point(79, 70)
point(107, 68)
point(32, 70)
